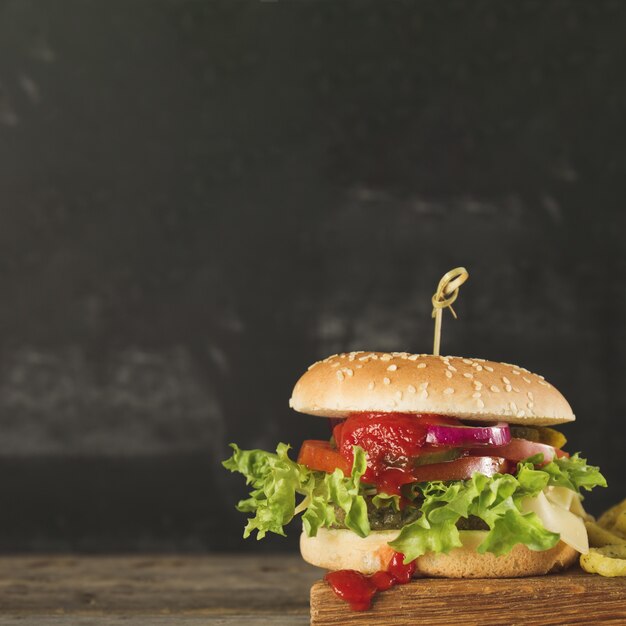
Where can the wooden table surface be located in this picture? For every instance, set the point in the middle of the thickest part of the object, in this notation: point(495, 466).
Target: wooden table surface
point(264, 590)
point(142, 590)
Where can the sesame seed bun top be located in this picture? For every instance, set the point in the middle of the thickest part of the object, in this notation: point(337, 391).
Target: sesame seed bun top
point(471, 389)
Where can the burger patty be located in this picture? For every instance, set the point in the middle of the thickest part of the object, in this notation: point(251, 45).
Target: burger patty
point(471, 523)
point(387, 518)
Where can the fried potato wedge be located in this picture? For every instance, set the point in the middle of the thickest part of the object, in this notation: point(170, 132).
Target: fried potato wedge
point(609, 517)
point(599, 536)
point(619, 525)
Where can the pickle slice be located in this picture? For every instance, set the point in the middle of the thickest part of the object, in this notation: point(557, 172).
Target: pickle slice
point(439, 456)
point(540, 434)
point(552, 437)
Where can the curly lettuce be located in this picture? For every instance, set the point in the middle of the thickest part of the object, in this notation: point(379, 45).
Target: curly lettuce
point(497, 501)
point(278, 483)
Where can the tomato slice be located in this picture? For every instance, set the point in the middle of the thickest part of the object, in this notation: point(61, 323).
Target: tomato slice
point(518, 450)
point(321, 456)
point(461, 469)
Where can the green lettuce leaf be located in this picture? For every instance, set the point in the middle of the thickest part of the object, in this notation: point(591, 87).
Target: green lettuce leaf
point(277, 480)
point(497, 501)
point(513, 527)
point(386, 500)
point(423, 536)
point(573, 473)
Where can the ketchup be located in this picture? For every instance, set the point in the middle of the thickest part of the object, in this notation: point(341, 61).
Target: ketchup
point(390, 441)
point(358, 589)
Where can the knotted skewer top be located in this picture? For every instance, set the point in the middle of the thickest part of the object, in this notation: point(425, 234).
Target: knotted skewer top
point(447, 292)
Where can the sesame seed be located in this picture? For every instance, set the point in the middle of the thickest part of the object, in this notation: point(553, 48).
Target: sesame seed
point(374, 356)
point(468, 362)
point(495, 389)
point(513, 406)
point(448, 374)
point(542, 377)
point(386, 381)
point(424, 394)
point(335, 364)
point(480, 403)
point(452, 368)
point(339, 375)
point(386, 357)
point(423, 386)
point(515, 389)
point(448, 390)
point(351, 356)
point(358, 366)
point(421, 365)
point(413, 357)
point(508, 387)
point(363, 358)
point(515, 372)
point(478, 385)
point(476, 394)
point(530, 405)
point(371, 385)
point(521, 413)
point(468, 375)
point(348, 371)
point(411, 389)
point(505, 380)
point(526, 380)
point(392, 368)
point(541, 382)
point(530, 395)
point(399, 395)
point(489, 369)
point(479, 368)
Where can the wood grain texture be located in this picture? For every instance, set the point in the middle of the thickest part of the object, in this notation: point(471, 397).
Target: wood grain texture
point(226, 589)
point(569, 598)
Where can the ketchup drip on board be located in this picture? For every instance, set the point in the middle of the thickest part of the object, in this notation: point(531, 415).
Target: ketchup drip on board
point(358, 589)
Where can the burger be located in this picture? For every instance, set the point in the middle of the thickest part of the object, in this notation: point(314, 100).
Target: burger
point(435, 466)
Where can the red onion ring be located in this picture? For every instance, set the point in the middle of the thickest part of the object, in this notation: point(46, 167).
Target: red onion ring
point(467, 436)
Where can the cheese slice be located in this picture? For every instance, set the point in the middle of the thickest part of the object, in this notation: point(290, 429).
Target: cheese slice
point(560, 496)
point(552, 506)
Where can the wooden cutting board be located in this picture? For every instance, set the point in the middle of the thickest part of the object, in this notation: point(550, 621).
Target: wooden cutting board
point(573, 597)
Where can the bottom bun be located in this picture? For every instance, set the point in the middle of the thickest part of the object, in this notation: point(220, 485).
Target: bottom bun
point(343, 549)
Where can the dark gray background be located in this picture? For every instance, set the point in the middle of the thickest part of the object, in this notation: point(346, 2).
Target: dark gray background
point(198, 199)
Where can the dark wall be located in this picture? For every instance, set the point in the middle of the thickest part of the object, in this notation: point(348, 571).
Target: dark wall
point(198, 199)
